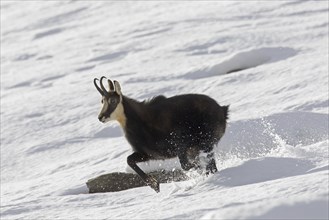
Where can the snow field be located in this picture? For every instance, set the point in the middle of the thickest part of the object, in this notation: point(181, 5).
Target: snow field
point(268, 61)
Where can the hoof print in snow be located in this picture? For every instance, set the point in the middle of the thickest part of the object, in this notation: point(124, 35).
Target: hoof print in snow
point(85, 68)
point(24, 57)
point(48, 33)
point(110, 57)
point(117, 181)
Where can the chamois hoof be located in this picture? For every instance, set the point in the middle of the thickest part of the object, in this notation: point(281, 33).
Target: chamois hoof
point(154, 184)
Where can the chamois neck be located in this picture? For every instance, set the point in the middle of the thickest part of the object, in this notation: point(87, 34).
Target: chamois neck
point(133, 109)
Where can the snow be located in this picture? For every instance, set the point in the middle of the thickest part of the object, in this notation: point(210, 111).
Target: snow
point(268, 61)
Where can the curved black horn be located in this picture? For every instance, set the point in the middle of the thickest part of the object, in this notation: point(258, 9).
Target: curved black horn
point(111, 85)
point(99, 90)
point(102, 86)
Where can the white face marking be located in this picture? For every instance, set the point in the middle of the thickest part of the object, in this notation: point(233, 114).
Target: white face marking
point(105, 105)
point(117, 114)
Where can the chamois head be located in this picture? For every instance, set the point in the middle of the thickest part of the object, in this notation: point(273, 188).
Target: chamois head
point(112, 108)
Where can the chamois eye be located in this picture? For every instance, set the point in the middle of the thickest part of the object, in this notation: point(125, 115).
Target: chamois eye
point(102, 101)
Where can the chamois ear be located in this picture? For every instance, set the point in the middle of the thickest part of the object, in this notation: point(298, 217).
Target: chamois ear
point(117, 87)
point(110, 85)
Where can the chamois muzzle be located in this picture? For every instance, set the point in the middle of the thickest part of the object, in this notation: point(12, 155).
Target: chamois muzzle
point(101, 118)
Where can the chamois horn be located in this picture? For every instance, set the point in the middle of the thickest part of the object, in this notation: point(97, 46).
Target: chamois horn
point(106, 93)
point(97, 87)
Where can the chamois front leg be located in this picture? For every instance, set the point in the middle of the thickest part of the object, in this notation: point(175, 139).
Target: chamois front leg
point(137, 158)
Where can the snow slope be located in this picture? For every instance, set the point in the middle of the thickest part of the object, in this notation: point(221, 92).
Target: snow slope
point(268, 60)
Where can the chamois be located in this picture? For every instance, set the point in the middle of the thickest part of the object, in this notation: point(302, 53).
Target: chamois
point(180, 126)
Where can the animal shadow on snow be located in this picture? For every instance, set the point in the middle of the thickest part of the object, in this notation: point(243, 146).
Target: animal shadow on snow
point(262, 170)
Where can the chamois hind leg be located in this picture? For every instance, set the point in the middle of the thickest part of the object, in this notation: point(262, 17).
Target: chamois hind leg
point(189, 159)
point(137, 158)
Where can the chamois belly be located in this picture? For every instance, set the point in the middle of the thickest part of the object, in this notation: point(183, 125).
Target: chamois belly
point(168, 144)
point(155, 148)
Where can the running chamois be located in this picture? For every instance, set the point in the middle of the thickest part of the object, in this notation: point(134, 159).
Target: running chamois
point(180, 126)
